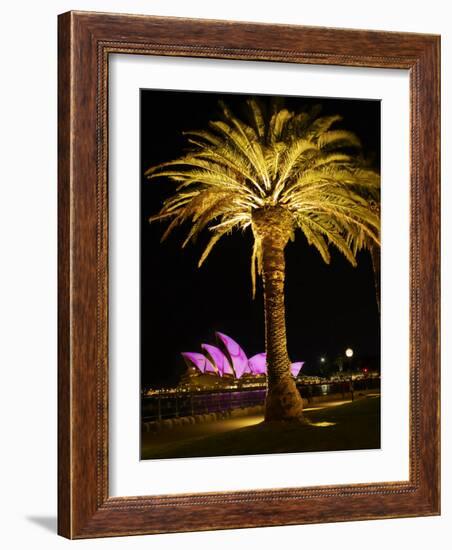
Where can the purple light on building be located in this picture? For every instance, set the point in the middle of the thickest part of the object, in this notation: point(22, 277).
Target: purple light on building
point(237, 356)
point(198, 360)
point(234, 362)
point(258, 363)
point(247, 369)
point(295, 368)
point(218, 358)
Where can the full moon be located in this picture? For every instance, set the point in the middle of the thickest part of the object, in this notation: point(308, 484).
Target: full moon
point(349, 352)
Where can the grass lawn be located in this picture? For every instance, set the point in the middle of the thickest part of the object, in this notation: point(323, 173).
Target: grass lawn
point(349, 426)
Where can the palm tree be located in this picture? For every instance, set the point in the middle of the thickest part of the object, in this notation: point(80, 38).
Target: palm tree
point(358, 240)
point(374, 250)
point(273, 173)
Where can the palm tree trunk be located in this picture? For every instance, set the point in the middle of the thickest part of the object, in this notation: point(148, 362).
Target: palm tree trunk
point(283, 401)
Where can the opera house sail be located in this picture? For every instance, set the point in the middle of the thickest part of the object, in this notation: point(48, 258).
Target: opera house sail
point(229, 359)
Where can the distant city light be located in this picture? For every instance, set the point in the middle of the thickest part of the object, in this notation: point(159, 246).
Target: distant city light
point(349, 352)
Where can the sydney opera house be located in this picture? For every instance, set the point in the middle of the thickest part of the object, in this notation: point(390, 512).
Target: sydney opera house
point(228, 360)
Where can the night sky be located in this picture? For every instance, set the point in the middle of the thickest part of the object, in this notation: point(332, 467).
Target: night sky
point(328, 307)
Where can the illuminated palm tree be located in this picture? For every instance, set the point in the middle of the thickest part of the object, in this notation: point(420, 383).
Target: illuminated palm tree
point(272, 174)
point(374, 251)
point(358, 240)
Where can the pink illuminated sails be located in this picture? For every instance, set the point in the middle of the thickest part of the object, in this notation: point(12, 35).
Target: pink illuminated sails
point(218, 358)
point(236, 354)
point(198, 360)
point(295, 368)
point(234, 362)
point(258, 363)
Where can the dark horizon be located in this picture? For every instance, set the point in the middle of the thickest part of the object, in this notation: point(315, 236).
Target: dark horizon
point(328, 307)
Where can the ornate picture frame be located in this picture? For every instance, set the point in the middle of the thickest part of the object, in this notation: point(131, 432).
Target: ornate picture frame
point(86, 40)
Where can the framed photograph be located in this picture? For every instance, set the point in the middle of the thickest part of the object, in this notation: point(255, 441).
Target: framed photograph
point(248, 275)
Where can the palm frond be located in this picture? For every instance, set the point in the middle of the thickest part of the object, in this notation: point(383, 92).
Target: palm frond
point(323, 124)
point(290, 160)
point(338, 138)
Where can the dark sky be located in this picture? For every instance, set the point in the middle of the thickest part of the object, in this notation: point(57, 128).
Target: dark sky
point(329, 307)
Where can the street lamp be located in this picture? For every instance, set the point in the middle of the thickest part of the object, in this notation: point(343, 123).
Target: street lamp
point(323, 366)
point(349, 354)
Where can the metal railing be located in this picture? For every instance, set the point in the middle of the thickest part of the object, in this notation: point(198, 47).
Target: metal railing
point(159, 407)
point(162, 405)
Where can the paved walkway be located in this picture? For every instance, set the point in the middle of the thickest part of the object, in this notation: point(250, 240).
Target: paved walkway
point(194, 431)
